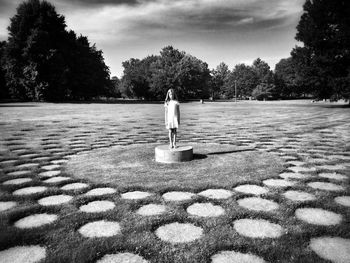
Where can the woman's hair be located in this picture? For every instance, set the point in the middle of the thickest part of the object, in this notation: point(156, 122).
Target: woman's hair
point(167, 95)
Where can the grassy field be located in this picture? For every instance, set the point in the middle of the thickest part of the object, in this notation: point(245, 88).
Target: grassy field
point(111, 146)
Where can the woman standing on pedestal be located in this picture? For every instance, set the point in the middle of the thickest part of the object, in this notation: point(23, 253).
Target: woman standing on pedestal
point(172, 116)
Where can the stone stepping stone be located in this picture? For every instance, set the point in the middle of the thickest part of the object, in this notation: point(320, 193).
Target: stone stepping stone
point(49, 173)
point(100, 228)
point(97, 207)
point(122, 257)
point(179, 232)
point(333, 176)
point(136, 195)
point(299, 196)
point(298, 169)
point(19, 173)
point(6, 205)
point(151, 210)
point(55, 200)
point(27, 166)
point(251, 189)
point(317, 160)
point(258, 204)
point(332, 167)
point(101, 191)
point(30, 190)
point(326, 186)
point(278, 183)
point(317, 216)
point(51, 167)
point(296, 163)
point(57, 179)
point(334, 249)
point(17, 181)
point(74, 186)
point(36, 220)
point(40, 159)
point(216, 193)
point(29, 155)
point(343, 200)
point(177, 196)
point(235, 257)
point(205, 210)
point(23, 254)
point(60, 161)
point(287, 157)
point(258, 228)
point(292, 176)
point(8, 162)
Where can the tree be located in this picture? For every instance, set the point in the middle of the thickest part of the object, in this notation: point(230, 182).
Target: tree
point(286, 78)
point(4, 92)
point(324, 28)
point(246, 80)
point(45, 62)
point(263, 91)
point(219, 80)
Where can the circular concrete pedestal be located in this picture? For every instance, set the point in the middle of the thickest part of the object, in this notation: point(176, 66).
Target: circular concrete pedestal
point(180, 154)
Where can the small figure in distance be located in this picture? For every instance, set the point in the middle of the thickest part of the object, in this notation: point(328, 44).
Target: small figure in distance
point(172, 116)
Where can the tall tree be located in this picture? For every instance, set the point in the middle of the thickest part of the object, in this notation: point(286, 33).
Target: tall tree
point(4, 93)
point(324, 28)
point(220, 76)
point(244, 79)
point(45, 62)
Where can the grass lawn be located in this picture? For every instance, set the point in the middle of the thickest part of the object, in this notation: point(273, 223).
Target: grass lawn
point(100, 158)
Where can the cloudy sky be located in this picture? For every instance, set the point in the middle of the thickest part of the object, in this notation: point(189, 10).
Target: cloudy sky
point(230, 31)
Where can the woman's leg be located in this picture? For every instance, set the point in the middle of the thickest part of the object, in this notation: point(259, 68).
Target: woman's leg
point(170, 139)
point(174, 140)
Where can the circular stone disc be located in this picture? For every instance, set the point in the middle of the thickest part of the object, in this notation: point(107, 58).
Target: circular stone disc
point(25, 254)
point(343, 200)
point(235, 257)
point(100, 229)
point(293, 176)
point(317, 216)
point(216, 193)
point(6, 205)
point(151, 210)
point(333, 176)
point(122, 257)
point(251, 189)
point(57, 179)
point(298, 169)
point(135, 195)
point(326, 186)
point(19, 173)
point(258, 204)
point(49, 173)
point(299, 196)
point(97, 206)
point(258, 228)
point(335, 249)
point(177, 196)
point(205, 210)
point(74, 186)
point(17, 181)
point(278, 183)
point(55, 200)
point(30, 190)
point(179, 232)
point(101, 191)
point(51, 167)
point(35, 220)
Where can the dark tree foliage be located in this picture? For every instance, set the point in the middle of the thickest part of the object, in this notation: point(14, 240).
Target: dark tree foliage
point(151, 77)
point(324, 61)
point(4, 93)
point(286, 78)
point(245, 79)
point(45, 62)
point(219, 81)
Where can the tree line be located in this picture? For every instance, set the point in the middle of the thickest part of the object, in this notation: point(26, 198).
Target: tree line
point(41, 60)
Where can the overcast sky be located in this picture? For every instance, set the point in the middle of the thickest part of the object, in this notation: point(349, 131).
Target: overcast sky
point(230, 31)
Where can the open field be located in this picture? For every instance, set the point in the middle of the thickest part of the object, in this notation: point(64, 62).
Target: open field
point(270, 182)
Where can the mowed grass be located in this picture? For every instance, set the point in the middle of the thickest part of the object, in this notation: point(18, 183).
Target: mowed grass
point(235, 144)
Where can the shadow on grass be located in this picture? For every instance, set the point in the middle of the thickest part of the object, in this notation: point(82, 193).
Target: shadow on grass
point(198, 156)
point(233, 151)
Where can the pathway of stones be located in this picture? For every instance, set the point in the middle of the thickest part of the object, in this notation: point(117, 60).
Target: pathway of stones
point(33, 172)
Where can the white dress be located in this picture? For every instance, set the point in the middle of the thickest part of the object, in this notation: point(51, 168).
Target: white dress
point(172, 114)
